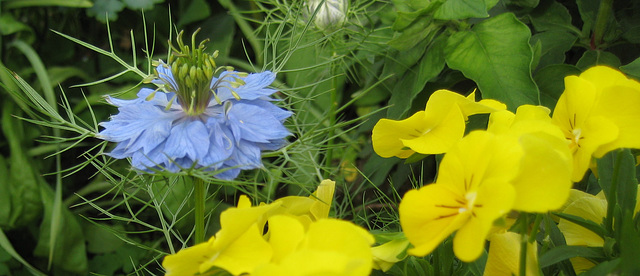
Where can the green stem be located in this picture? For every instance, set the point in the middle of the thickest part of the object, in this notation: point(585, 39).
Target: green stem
point(523, 245)
point(199, 194)
point(613, 193)
point(604, 11)
point(332, 118)
point(246, 30)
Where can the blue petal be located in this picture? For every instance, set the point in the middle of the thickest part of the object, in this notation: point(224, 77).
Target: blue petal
point(254, 87)
point(138, 127)
point(188, 138)
point(221, 143)
point(246, 156)
point(254, 123)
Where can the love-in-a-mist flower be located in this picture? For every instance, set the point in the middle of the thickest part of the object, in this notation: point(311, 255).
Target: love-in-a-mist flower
point(197, 120)
point(598, 112)
point(432, 131)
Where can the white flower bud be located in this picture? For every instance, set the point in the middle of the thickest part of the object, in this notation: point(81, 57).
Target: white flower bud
point(330, 14)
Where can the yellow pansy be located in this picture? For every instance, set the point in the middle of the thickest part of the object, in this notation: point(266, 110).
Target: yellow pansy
point(472, 190)
point(598, 112)
point(544, 180)
point(237, 248)
point(432, 131)
point(328, 247)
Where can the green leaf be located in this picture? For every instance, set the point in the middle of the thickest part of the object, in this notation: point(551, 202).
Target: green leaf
point(554, 46)
point(496, 55)
point(564, 252)
point(604, 268)
point(461, 9)
point(550, 80)
point(8, 247)
point(597, 57)
point(26, 206)
point(12, 4)
point(5, 195)
point(415, 80)
point(632, 69)
point(589, 225)
point(197, 10)
point(414, 34)
point(69, 251)
point(617, 178)
point(9, 25)
point(105, 10)
point(522, 3)
point(141, 4)
point(629, 242)
point(552, 16)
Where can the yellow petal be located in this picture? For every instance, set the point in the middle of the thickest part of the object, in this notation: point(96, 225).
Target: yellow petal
point(286, 234)
point(603, 76)
point(619, 104)
point(427, 217)
point(544, 181)
point(504, 256)
point(494, 199)
point(596, 131)
point(444, 133)
point(442, 100)
point(386, 255)
point(242, 255)
point(323, 197)
point(187, 261)
point(591, 208)
point(387, 134)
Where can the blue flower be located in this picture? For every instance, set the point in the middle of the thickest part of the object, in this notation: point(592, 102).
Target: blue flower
point(223, 128)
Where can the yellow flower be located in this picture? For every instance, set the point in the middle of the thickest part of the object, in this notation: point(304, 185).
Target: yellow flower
point(327, 247)
point(237, 248)
point(432, 131)
point(504, 256)
point(240, 246)
point(598, 112)
point(472, 190)
point(590, 207)
point(544, 180)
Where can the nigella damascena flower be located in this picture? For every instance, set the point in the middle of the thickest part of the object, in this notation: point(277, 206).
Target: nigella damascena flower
point(196, 120)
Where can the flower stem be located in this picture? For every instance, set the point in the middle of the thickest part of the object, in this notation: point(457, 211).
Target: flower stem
point(523, 245)
point(199, 194)
point(604, 12)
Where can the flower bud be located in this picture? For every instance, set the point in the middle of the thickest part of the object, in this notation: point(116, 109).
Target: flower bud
point(329, 14)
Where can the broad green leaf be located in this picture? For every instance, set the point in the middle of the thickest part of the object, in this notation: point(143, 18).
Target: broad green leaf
point(604, 268)
point(554, 46)
point(461, 9)
point(141, 4)
point(632, 69)
point(9, 25)
point(415, 80)
point(597, 57)
point(629, 243)
point(496, 54)
point(12, 4)
point(552, 17)
point(105, 10)
point(221, 30)
point(69, 252)
point(550, 80)
point(197, 10)
point(26, 205)
point(588, 224)
point(414, 34)
point(522, 3)
point(564, 252)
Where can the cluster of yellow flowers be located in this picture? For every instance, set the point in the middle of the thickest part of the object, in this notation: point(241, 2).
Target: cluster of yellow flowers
point(300, 239)
point(524, 161)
